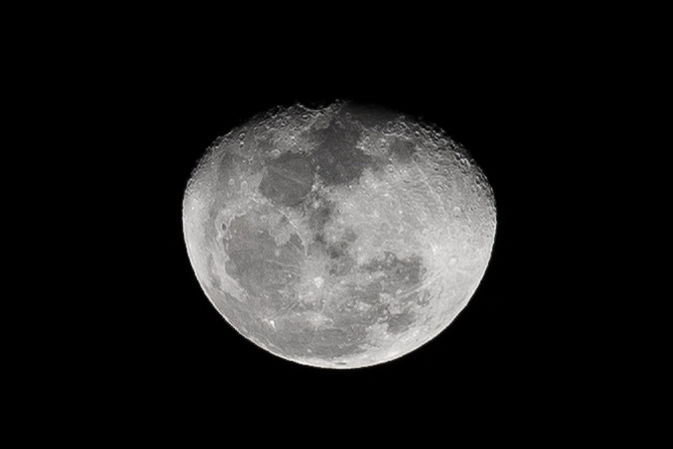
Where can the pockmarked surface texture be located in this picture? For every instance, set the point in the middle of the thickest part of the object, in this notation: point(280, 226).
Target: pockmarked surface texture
point(338, 237)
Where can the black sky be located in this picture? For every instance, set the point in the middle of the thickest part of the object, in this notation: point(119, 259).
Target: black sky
point(120, 105)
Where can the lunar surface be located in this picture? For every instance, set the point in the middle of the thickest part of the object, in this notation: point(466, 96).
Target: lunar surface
point(338, 237)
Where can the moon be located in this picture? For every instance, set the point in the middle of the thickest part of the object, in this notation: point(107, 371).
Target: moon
point(338, 237)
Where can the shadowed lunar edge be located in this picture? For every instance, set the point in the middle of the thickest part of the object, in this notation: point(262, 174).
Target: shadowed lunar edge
point(290, 235)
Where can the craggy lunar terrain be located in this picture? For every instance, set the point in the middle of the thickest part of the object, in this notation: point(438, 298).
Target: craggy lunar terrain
point(338, 237)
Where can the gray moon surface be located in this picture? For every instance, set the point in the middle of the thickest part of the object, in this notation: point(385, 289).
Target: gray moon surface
point(338, 237)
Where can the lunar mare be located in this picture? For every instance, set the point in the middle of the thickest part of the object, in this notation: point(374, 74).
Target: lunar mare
point(338, 237)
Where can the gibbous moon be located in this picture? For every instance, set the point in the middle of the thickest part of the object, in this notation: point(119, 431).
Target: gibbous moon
point(339, 237)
